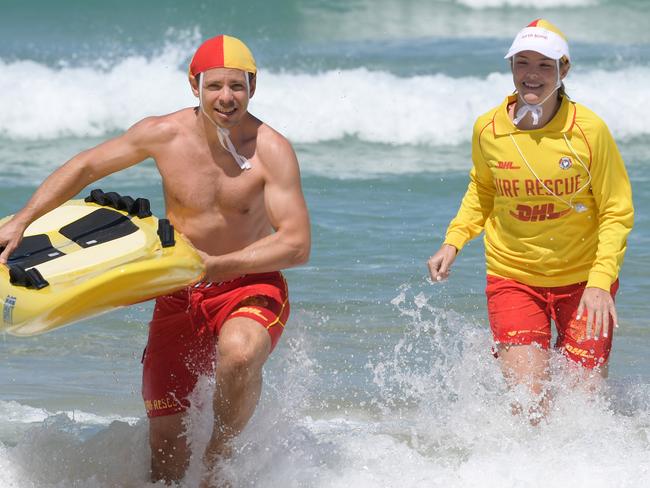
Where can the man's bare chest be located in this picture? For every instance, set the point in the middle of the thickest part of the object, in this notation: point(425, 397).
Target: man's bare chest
point(197, 184)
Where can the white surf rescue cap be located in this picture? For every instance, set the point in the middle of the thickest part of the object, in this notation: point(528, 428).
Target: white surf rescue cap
point(543, 37)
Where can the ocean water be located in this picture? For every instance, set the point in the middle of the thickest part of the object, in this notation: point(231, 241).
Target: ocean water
point(381, 378)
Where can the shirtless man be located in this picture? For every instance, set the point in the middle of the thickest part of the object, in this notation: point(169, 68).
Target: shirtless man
point(232, 187)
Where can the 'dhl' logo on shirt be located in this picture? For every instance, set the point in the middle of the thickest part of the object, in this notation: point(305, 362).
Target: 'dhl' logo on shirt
point(538, 213)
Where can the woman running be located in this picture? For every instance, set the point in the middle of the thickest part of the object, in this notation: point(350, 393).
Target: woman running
point(550, 189)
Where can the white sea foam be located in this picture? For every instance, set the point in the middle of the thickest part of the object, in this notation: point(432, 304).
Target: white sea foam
point(41, 102)
point(14, 412)
point(54, 454)
point(16, 419)
point(69, 448)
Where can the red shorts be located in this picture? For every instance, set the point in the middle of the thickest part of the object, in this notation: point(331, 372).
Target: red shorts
point(185, 328)
point(521, 315)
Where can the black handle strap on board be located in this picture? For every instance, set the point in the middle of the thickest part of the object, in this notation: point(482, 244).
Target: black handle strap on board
point(139, 207)
point(30, 278)
point(166, 233)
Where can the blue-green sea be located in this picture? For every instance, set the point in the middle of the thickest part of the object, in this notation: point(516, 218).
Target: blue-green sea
point(381, 379)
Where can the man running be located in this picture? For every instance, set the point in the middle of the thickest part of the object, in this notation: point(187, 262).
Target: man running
point(232, 186)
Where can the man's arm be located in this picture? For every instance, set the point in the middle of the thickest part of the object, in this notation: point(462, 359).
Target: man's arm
point(86, 167)
point(290, 244)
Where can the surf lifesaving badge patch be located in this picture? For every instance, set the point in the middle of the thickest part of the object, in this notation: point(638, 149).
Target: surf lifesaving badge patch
point(565, 162)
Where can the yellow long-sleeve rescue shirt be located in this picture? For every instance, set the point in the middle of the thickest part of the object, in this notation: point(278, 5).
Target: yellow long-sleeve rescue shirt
point(531, 235)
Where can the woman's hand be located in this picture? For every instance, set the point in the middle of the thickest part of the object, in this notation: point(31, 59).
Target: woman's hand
point(440, 263)
point(599, 305)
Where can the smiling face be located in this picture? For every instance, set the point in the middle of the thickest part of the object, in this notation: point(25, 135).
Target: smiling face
point(535, 75)
point(225, 95)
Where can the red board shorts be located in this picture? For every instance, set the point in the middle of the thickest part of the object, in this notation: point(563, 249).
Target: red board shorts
point(521, 315)
point(185, 328)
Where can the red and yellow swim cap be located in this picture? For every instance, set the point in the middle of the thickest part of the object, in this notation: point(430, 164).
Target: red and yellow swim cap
point(222, 52)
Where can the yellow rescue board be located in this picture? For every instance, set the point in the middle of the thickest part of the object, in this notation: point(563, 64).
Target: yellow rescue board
point(89, 256)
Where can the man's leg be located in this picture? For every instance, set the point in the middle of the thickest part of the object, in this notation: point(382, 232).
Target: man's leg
point(243, 347)
point(170, 452)
point(175, 356)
